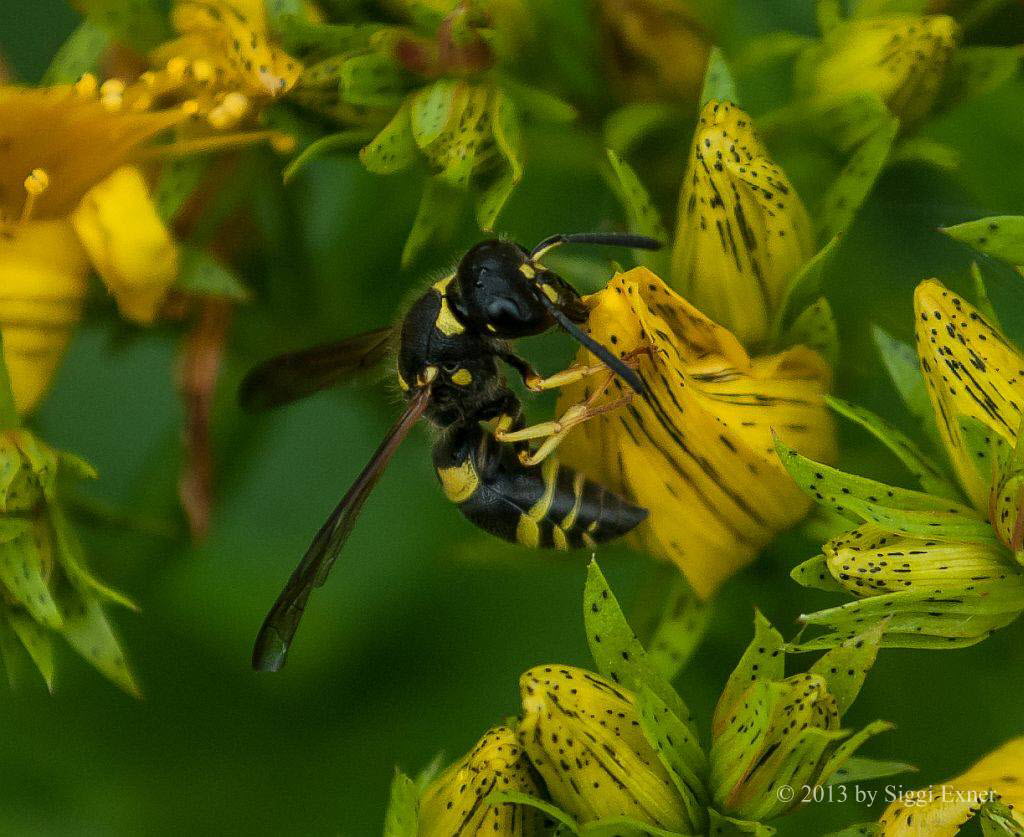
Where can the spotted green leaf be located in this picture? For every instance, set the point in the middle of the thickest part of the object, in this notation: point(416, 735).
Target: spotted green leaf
point(925, 470)
point(997, 819)
point(347, 140)
point(72, 560)
point(642, 216)
point(763, 661)
point(981, 298)
point(617, 652)
point(683, 622)
point(622, 826)
point(732, 827)
point(848, 747)
point(394, 148)
point(493, 199)
point(519, 798)
point(402, 817)
point(863, 829)
point(719, 84)
point(25, 565)
point(371, 80)
point(37, 642)
point(1000, 236)
point(79, 54)
point(900, 362)
point(845, 667)
point(87, 631)
point(805, 286)
point(861, 769)
point(815, 327)
point(814, 572)
point(434, 108)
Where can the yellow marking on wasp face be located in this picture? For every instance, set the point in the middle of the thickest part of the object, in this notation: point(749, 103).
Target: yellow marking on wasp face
point(462, 377)
point(528, 532)
point(427, 376)
point(447, 323)
point(577, 489)
point(527, 270)
point(558, 536)
point(459, 482)
point(588, 541)
point(550, 292)
point(491, 328)
point(402, 383)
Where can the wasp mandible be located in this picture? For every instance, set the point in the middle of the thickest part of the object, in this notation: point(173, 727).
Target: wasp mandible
point(449, 345)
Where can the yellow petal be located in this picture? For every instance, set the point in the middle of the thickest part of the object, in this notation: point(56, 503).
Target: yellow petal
point(940, 810)
point(697, 452)
point(45, 272)
point(453, 804)
point(902, 59)
point(972, 371)
point(73, 138)
point(742, 231)
point(128, 243)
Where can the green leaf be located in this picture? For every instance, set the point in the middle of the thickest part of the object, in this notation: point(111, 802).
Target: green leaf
point(429, 773)
point(900, 361)
point(394, 148)
point(508, 133)
point(37, 642)
point(178, 180)
point(71, 556)
point(862, 769)
point(346, 141)
point(975, 70)
point(24, 570)
point(493, 199)
point(805, 286)
point(626, 827)
point(200, 273)
point(11, 653)
point(845, 667)
point(723, 826)
point(520, 798)
point(87, 631)
point(981, 298)
point(848, 747)
point(997, 820)
point(617, 652)
point(79, 54)
point(678, 749)
point(815, 328)
point(438, 213)
point(926, 151)
point(8, 412)
point(631, 123)
point(999, 236)
point(538, 104)
point(641, 215)
point(142, 24)
point(927, 472)
point(683, 623)
point(856, 179)
point(763, 661)
point(718, 81)
point(370, 80)
point(434, 108)
point(766, 49)
point(402, 816)
point(814, 572)
point(863, 829)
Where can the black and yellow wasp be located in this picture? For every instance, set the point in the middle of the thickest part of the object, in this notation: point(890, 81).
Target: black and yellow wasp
point(448, 347)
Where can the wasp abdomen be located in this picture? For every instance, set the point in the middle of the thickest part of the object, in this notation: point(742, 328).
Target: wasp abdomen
point(546, 505)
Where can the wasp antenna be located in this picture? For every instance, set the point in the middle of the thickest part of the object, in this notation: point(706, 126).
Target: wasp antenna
point(617, 365)
point(641, 242)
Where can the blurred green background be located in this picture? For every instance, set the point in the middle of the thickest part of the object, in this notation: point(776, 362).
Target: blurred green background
point(417, 643)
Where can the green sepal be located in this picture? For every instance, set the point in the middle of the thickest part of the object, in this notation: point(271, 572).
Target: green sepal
point(683, 623)
point(763, 661)
point(295, 34)
point(679, 750)
point(815, 328)
point(36, 641)
point(87, 631)
point(997, 819)
point(847, 748)
point(438, 213)
point(642, 216)
point(371, 80)
point(862, 769)
point(901, 364)
point(856, 179)
point(999, 236)
point(402, 816)
point(507, 134)
point(814, 572)
point(347, 140)
point(79, 54)
point(738, 734)
point(23, 577)
point(927, 472)
point(538, 104)
point(723, 826)
point(975, 70)
point(985, 448)
point(177, 181)
point(143, 24)
point(845, 667)
point(493, 199)
point(981, 298)
point(617, 652)
point(11, 653)
point(434, 108)
point(627, 827)
point(805, 286)
point(394, 148)
point(8, 412)
point(861, 829)
point(766, 49)
point(719, 84)
point(629, 124)
point(72, 559)
point(519, 798)
point(203, 275)
point(926, 151)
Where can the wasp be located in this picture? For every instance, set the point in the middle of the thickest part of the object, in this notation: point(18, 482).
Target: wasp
point(448, 347)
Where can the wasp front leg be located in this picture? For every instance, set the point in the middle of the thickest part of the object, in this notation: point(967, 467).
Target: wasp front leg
point(578, 372)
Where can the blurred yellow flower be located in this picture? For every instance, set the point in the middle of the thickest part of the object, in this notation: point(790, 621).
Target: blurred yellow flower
point(901, 58)
point(454, 802)
point(941, 810)
point(742, 231)
point(696, 450)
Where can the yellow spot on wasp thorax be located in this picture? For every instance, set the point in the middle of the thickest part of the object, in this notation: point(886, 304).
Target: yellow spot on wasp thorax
point(427, 376)
point(550, 292)
point(459, 482)
point(447, 323)
point(527, 270)
point(463, 377)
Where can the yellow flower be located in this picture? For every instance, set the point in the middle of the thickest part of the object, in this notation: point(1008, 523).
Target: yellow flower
point(696, 451)
point(941, 810)
point(902, 58)
point(583, 735)
point(973, 372)
point(742, 231)
point(657, 48)
point(128, 243)
point(454, 803)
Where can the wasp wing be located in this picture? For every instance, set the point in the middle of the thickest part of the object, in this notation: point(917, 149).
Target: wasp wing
point(295, 375)
point(282, 621)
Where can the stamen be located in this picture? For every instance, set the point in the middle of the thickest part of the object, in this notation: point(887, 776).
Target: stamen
point(112, 94)
point(279, 141)
point(35, 184)
point(86, 85)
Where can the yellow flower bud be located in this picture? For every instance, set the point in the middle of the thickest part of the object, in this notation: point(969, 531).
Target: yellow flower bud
point(742, 230)
point(583, 735)
point(903, 59)
point(454, 803)
point(45, 274)
point(128, 243)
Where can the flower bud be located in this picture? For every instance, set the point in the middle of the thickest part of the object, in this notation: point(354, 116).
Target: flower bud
point(27, 471)
point(583, 735)
point(742, 231)
point(903, 59)
point(455, 802)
